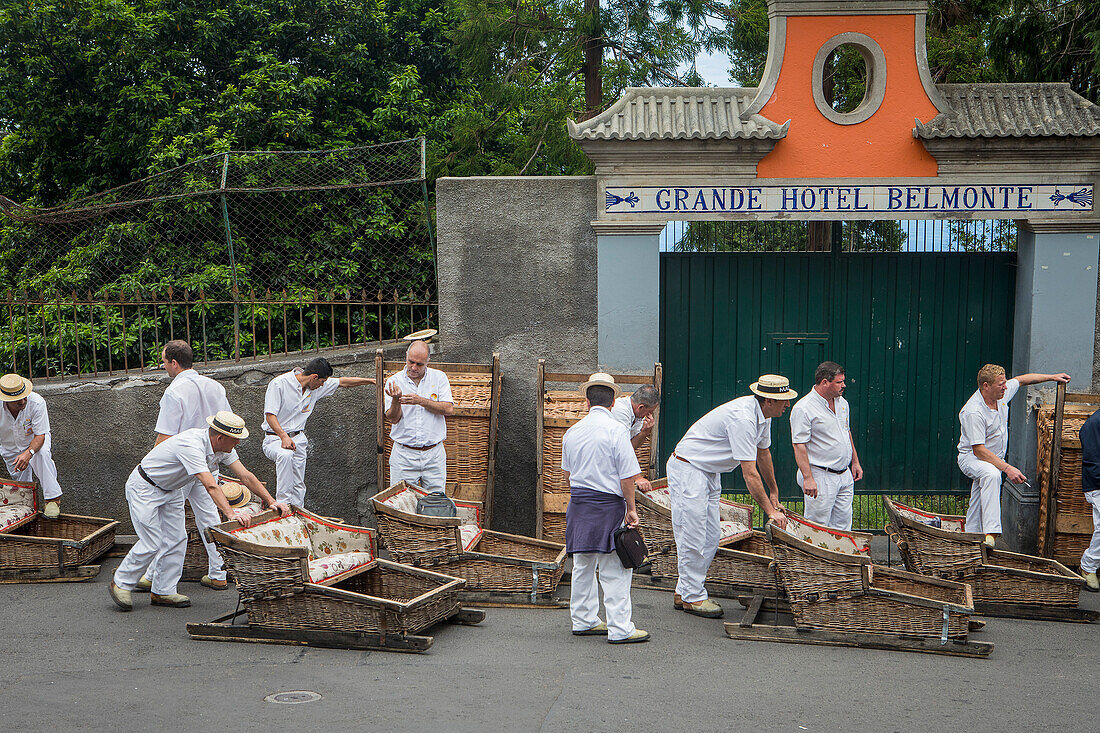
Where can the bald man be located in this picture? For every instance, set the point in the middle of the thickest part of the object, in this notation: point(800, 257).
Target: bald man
point(418, 401)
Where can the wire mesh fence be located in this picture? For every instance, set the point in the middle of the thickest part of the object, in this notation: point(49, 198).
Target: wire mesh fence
point(245, 254)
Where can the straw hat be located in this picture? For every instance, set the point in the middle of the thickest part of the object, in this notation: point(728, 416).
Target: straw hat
point(237, 494)
point(14, 387)
point(228, 423)
point(601, 379)
point(773, 387)
point(425, 335)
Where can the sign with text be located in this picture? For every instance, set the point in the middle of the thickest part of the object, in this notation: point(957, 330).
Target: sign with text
point(1008, 199)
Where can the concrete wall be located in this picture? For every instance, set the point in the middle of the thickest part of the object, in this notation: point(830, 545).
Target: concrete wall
point(102, 427)
point(517, 275)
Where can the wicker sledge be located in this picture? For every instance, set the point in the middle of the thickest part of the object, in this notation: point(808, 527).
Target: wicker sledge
point(195, 562)
point(838, 597)
point(500, 569)
point(471, 431)
point(1005, 583)
point(559, 409)
point(33, 548)
point(305, 580)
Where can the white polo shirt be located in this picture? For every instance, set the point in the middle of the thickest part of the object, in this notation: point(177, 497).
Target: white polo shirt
point(983, 426)
point(17, 432)
point(623, 411)
point(188, 401)
point(289, 404)
point(419, 426)
point(174, 463)
point(827, 434)
point(597, 454)
point(727, 435)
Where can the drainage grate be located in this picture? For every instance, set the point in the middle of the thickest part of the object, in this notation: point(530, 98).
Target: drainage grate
point(293, 697)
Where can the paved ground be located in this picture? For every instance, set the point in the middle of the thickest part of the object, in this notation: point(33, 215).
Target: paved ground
point(72, 662)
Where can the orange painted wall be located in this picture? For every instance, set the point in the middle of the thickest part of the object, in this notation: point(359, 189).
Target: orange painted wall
point(880, 146)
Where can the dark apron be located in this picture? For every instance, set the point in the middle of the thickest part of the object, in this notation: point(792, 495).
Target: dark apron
point(591, 518)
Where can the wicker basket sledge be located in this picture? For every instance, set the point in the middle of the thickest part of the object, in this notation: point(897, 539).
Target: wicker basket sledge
point(1065, 518)
point(196, 563)
point(471, 430)
point(559, 410)
point(1004, 583)
point(307, 580)
point(499, 568)
point(35, 548)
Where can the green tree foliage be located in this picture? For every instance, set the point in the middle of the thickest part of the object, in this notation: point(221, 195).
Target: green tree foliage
point(791, 236)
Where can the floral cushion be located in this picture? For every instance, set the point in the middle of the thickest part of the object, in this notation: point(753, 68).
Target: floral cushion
point(825, 538)
point(15, 515)
point(277, 532)
point(403, 501)
point(932, 520)
point(331, 539)
point(330, 566)
point(733, 531)
point(15, 492)
point(734, 522)
point(660, 496)
point(470, 533)
point(469, 513)
point(736, 513)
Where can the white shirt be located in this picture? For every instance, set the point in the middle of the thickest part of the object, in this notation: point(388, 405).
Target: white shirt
point(16, 433)
point(623, 411)
point(188, 401)
point(419, 426)
point(289, 404)
point(827, 434)
point(174, 463)
point(597, 454)
point(983, 426)
point(727, 435)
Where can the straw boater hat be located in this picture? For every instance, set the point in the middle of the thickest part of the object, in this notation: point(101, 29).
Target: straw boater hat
point(227, 423)
point(236, 494)
point(425, 335)
point(600, 379)
point(773, 387)
point(14, 387)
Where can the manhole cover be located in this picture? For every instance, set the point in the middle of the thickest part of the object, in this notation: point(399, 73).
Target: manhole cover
point(293, 697)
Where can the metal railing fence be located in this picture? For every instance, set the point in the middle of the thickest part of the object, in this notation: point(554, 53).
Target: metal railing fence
point(868, 513)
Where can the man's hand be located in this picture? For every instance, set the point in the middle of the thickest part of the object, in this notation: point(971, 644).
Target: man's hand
point(647, 424)
point(412, 399)
point(778, 518)
point(243, 517)
point(287, 443)
point(809, 486)
point(1061, 378)
point(857, 471)
point(283, 507)
point(643, 485)
point(393, 390)
point(631, 518)
point(1014, 474)
point(22, 461)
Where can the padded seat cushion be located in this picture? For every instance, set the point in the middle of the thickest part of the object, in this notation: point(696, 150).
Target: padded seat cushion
point(13, 516)
point(277, 532)
point(825, 538)
point(330, 566)
point(470, 533)
point(733, 522)
point(947, 525)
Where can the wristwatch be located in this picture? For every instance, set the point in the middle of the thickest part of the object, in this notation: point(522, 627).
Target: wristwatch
point(31, 451)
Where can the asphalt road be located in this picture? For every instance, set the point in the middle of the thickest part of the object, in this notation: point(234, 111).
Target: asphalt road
point(72, 662)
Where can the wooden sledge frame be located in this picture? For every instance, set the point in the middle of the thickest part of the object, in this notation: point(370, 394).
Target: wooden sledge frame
point(542, 378)
point(223, 629)
point(450, 368)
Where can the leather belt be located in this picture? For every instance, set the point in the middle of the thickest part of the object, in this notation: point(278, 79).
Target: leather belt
point(151, 482)
point(418, 447)
point(832, 470)
point(291, 434)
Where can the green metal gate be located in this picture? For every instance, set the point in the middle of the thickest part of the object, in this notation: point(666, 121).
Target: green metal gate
point(911, 329)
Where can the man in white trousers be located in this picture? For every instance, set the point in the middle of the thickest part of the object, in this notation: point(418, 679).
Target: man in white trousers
point(1090, 484)
point(737, 433)
point(983, 442)
point(155, 493)
point(828, 465)
point(417, 402)
point(602, 470)
point(188, 401)
point(288, 403)
point(25, 440)
point(636, 413)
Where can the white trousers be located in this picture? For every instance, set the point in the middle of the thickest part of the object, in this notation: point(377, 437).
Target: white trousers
point(162, 537)
point(206, 515)
point(290, 468)
point(695, 526)
point(425, 468)
point(41, 467)
point(1090, 561)
point(984, 514)
point(833, 504)
point(584, 596)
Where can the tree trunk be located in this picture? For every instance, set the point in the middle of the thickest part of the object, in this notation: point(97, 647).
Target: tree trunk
point(593, 61)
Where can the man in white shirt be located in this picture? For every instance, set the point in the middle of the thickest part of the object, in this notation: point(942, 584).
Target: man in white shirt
point(828, 465)
point(636, 413)
point(737, 433)
point(155, 493)
point(188, 401)
point(602, 470)
point(418, 400)
point(983, 441)
point(287, 405)
point(25, 440)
